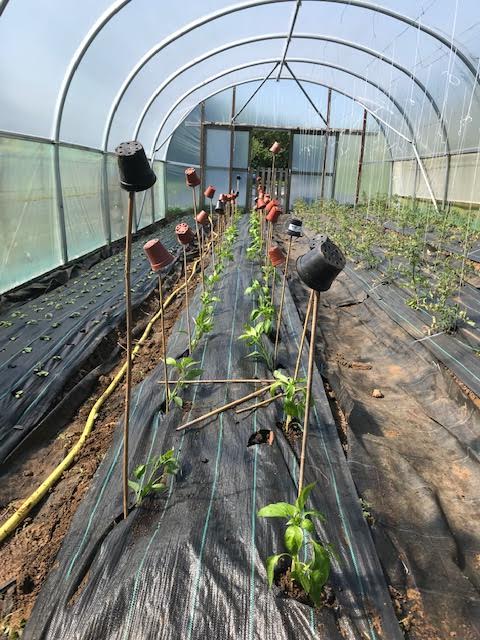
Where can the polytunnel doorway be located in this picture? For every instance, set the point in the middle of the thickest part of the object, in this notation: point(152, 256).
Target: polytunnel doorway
point(307, 171)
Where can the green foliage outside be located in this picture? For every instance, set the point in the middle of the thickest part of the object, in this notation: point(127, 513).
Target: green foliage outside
point(262, 140)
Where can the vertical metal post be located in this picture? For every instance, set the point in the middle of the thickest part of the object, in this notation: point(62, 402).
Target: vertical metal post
point(327, 135)
point(165, 194)
point(107, 229)
point(152, 201)
point(360, 159)
point(59, 200)
point(335, 161)
point(203, 170)
point(289, 173)
point(232, 142)
point(415, 182)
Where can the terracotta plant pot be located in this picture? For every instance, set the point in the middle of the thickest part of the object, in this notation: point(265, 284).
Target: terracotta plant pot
point(267, 199)
point(135, 172)
point(184, 233)
point(158, 255)
point(270, 205)
point(294, 228)
point(220, 207)
point(209, 192)
point(319, 267)
point(223, 197)
point(192, 178)
point(260, 203)
point(276, 256)
point(273, 215)
point(202, 218)
point(275, 148)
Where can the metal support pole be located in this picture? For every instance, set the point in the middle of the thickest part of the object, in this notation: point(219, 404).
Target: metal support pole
point(302, 89)
point(128, 317)
point(360, 159)
point(311, 355)
point(59, 199)
point(232, 142)
point(327, 135)
point(105, 202)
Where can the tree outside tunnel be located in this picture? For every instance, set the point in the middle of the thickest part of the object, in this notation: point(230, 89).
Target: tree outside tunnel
point(262, 140)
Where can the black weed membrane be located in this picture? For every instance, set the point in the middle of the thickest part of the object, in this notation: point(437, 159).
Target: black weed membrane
point(190, 564)
point(46, 341)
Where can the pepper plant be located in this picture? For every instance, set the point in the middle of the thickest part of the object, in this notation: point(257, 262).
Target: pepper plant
point(294, 396)
point(312, 574)
point(151, 477)
point(186, 370)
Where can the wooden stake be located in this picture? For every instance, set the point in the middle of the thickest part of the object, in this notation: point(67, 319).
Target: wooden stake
point(273, 284)
point(282, 298)
point(311, 354)
point(304, 333)
point(254, 407)
point(128, 379)
point(186, 299)
point(164, 346)
point(219, 381)
point(198, 238)
point(225, 407)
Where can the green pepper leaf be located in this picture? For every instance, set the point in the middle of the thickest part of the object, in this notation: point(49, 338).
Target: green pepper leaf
point(293, 539)
point(302, 498)
point(277, 510)
point(139, 471)
point(270, 564)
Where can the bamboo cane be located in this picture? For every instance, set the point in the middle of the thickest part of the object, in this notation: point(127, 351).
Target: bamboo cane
point(225, 407)
point(311, 354)
point(186, 299)
point(304, 333)
point(164, 346)
point(128, 379)
point(254, 407)
point(198, 238)
point(211, 232)
point(220, 381)
point(282, 299)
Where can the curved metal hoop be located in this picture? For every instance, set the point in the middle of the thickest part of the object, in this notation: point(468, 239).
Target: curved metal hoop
point(288, 60)
point(300, 36)
point(118, 6)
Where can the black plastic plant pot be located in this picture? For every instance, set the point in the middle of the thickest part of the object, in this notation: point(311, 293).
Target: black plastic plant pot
point(135, 172)
point(294, 228)
point(319, 267)
point(220, 208)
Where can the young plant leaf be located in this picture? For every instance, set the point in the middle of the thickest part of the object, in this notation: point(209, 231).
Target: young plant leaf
point(302, 498)
point(293, 539)
point(277, 510)
point(271, 563)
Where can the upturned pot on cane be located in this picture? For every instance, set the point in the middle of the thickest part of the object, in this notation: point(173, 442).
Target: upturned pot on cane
point(273, 215)
point(184, 233)
point(271, 204)
point(209, 192)
point(275, 148)
point(191, 177)
point(294, 228)
point(276, 256)
point(202, 218)
point(158, 255)
point(319, 267)
point(135, 171)
point(220, 207)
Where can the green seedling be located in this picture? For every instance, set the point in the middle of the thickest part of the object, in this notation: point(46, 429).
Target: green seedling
point(186, 370)
point(27, 349)
point(151, 477)
point(312, 574)
point(254, 337)
point(5, 324)
point(294, 396)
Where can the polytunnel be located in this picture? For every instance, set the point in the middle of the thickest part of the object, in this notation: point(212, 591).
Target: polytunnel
point(239, 307)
